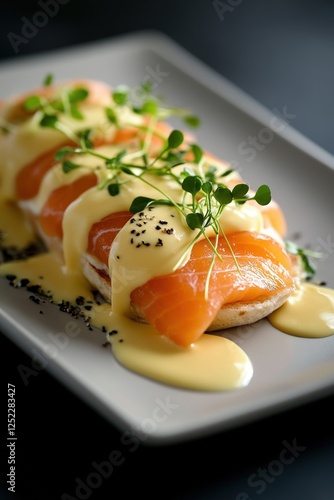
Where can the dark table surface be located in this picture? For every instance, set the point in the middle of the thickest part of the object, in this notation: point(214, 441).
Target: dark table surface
point(281, 53)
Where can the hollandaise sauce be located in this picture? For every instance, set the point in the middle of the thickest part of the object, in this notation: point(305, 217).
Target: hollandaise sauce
point(156, 241)
point(214, 363)
point(308, 312)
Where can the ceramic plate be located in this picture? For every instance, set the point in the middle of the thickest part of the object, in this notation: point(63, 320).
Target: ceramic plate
point(265, 148)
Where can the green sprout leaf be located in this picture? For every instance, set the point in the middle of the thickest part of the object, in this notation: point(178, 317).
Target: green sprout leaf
point(76, 113)
point(139, 203)
point(111, 116)
point(85, 138)
point(78, 94)
point(197, 152)
point(192, 121)
point(48, 121)
point(69, 165)
point(195, 220)
point(223, 195)
point(192, 184)
point(263, 195)
point(239, 191)
point(207, 187)
point(63, 152)
point(33, 103)
point(48, 80)
point(113, 189)
point(149, 108)
point(175, 139)
point(120, 96)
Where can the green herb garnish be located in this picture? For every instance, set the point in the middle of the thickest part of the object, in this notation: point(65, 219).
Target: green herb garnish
point(306, 256)
point(203, 194)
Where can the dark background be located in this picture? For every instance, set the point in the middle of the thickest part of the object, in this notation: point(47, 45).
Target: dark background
point(281, 53)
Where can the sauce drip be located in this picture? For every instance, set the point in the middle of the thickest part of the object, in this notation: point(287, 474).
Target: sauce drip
point(212, 364)
point(308, 312)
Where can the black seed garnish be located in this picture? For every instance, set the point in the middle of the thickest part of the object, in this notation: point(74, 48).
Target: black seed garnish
point(34, 288)
point(23, 283)
point(163, 222)
point(34, 299)
point(157, 228)
point(159, 243)
point(10, 277)
point(80, 300)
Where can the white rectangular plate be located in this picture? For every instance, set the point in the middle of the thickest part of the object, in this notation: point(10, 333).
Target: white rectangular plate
point(287, 370)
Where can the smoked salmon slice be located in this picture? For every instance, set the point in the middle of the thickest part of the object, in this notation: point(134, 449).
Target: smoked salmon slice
point(176, 305)
point(103, 233)
point(51, 217)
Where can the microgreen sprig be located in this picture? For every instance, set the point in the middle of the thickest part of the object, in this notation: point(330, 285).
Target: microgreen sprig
point(203, 193)
point(48, 110)
point(306, 256)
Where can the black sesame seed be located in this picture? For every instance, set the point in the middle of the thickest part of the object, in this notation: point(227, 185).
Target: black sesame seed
point(23, 283)
point(34, 299)
point(33, 288)
point(10, 277)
